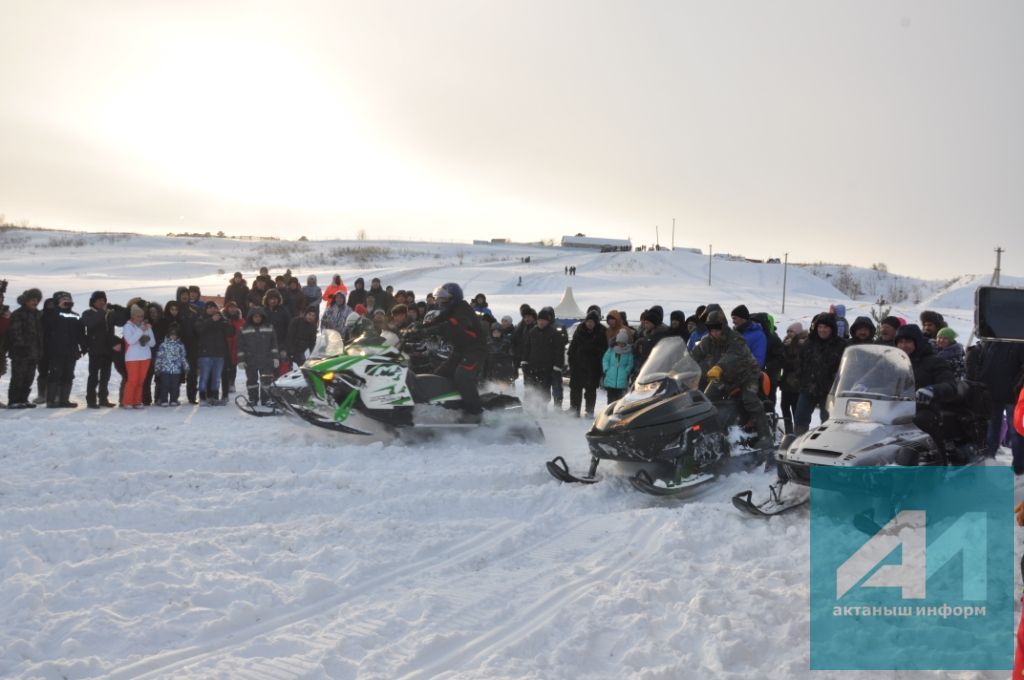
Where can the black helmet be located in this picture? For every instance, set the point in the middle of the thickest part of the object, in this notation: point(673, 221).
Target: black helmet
point(448, 294)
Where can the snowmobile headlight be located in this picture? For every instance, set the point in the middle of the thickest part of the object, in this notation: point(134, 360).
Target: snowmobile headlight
point(859, 409)
point(328, 376)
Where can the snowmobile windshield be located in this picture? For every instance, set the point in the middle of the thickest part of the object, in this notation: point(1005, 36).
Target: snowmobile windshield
point(875, 372)
point(372, 343)
point(328, 344)
point(670, 358)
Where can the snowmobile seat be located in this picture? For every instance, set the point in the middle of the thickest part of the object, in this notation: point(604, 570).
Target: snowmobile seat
point(427, 386)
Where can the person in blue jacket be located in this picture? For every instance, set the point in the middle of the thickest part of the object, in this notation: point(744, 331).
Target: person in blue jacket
point(617, 365)
point(752, 332)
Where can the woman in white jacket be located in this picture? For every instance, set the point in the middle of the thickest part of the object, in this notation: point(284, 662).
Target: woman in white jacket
point(139, 341)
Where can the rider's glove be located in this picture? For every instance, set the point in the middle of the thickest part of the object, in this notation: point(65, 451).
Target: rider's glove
point(925, 395)
point(715, 373)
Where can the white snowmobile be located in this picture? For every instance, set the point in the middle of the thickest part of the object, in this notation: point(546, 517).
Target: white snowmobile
point(872, 407)
point(366, 389)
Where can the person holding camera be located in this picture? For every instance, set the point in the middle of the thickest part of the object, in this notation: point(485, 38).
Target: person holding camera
point(139, 341)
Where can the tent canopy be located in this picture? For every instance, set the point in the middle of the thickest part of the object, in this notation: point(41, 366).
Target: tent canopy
point(567, 309)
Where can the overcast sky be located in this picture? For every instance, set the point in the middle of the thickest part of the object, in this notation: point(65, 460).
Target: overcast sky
point(851, 131)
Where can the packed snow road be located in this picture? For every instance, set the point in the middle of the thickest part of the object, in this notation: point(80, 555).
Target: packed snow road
point(197, 542)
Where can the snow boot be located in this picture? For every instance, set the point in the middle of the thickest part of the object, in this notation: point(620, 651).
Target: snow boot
point(65, 396)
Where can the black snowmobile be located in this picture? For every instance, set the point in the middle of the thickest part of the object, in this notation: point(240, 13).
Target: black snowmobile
point(669, 429)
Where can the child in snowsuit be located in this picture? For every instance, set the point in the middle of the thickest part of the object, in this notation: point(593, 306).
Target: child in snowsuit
point(617, 365)
point(171, 367)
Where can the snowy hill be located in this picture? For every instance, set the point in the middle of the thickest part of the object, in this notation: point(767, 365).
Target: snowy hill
point(198, 542)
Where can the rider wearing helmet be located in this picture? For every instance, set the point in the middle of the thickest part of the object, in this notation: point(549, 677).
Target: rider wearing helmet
point(461, 328)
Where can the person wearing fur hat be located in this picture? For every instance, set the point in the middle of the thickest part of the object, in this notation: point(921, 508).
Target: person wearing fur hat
point(64, 340)
point(752, 332)
point(543, 357)
point(701, 329)
point(887, 330)
point(100, 340)
point(138, 340)
point(615, 323)
point(237, 292)
point(728, 364)
point(617, 365)
point(789, 381)
point(819, 363)
point(862, 332)
point(931, 323)
point(527, 319)
point(25, 346)
point(212, 332)
point(586, 353)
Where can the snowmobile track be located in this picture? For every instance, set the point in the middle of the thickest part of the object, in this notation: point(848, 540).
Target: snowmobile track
point(216, 658)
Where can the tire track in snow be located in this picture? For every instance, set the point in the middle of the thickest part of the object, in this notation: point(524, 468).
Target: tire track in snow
point(216, 656)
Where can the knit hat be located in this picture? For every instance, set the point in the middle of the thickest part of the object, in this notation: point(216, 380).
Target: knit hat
point(547, 314)
point(911, 331)
point(594, 315)
point(947, 333)
point(360, 310)
point(892, 322)
point(506, 318)
point(796, 327)
point(97, 295)
point(656, 315)
point(622, 337)
point(741, 312)
point(523, 308)
point(677, 315)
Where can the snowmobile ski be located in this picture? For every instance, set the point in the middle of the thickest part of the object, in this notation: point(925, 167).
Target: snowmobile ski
point(258, 410)
point(774, 505)
point(559, 469)
point(642, 481)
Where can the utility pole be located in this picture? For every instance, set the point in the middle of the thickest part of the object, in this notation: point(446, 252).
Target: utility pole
point(709, 265)
point(785, 270)
point(673, 233)
point(999, 259)
point(657, 239)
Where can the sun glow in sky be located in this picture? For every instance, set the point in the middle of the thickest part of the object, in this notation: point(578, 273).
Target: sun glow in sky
point(838, 131)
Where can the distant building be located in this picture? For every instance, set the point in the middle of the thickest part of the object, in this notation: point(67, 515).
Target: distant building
point(593, 243)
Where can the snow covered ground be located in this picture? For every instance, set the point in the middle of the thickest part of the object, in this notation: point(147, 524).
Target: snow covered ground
point(198, 542)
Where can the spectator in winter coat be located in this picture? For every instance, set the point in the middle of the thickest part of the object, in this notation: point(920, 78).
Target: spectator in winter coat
point(862, 332)
point(384, 299)
point(139, 341)
point(677, 325)
point(296, 299)
point(398, 319)
point(731, 365)
point(702, 316)
point(357, 324)
point(887, 331)
point(302, 336)
point(278, 317)
point(789, 383)
point(154, 315)
point(313, 294)
point(25, 346)
point(819, 363)
point(100, 341)
point(752, 332)
point(187, 323)
point(171, 364)
point(480, 305)
point(773, 356)
point(237, 292)
point(260, 287)
point(1000, 365)
point(195, 298)
point(64, 339)
point(5, 323)
point(357, 296)
point(500, 368)
point(652, 330)
point(234, 317)
point(951, 351)
point(528, 318)
point(586, 353)
point(337, 286)
point(543, 357)
point(697, 331)
point(336, 315)
point(258, 355)
point(840, 313)
point(617, 365)
point(613, 324)
point(934, 381)
point(931, 324)
point(212, 331)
